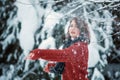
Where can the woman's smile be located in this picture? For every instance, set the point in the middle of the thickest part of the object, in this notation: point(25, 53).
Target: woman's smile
point(72, 32)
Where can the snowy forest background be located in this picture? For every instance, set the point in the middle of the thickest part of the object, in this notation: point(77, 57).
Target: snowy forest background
point(29, 24)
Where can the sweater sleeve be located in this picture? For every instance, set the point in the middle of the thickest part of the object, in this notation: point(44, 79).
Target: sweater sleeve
point(51, 54)
point(64, 55)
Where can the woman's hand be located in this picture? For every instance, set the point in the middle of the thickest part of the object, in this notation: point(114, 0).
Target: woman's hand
point(30, 56)
point(46, 69)
point(48, 66)
point(34, 54)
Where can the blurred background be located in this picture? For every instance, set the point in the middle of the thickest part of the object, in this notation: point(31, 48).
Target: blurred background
point(29, 24)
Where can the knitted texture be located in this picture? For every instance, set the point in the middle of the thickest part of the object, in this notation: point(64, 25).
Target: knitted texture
point(75, 58)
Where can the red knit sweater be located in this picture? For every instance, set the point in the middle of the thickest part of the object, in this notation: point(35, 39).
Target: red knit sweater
point(75, 58)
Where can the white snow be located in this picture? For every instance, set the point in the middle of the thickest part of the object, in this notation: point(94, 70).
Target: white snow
point(48, 43)
point(27, 14)
point(74, 51)
point(30, 18)
point(51, 19)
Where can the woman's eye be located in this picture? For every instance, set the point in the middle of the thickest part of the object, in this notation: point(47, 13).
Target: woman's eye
point(71, 25)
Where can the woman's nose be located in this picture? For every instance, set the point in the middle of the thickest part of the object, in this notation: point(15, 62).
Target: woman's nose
point(73, 28)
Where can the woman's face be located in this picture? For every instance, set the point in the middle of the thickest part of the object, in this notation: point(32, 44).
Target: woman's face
point(73, 29)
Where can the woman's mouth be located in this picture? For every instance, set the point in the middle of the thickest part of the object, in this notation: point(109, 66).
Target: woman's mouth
point(73, 32)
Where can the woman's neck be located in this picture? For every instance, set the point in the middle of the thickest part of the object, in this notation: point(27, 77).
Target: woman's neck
point(73, 38)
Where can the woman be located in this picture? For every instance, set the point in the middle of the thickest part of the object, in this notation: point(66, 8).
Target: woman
point(74, 55)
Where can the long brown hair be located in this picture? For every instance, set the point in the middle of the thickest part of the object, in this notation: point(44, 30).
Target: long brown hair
point(82, 25)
